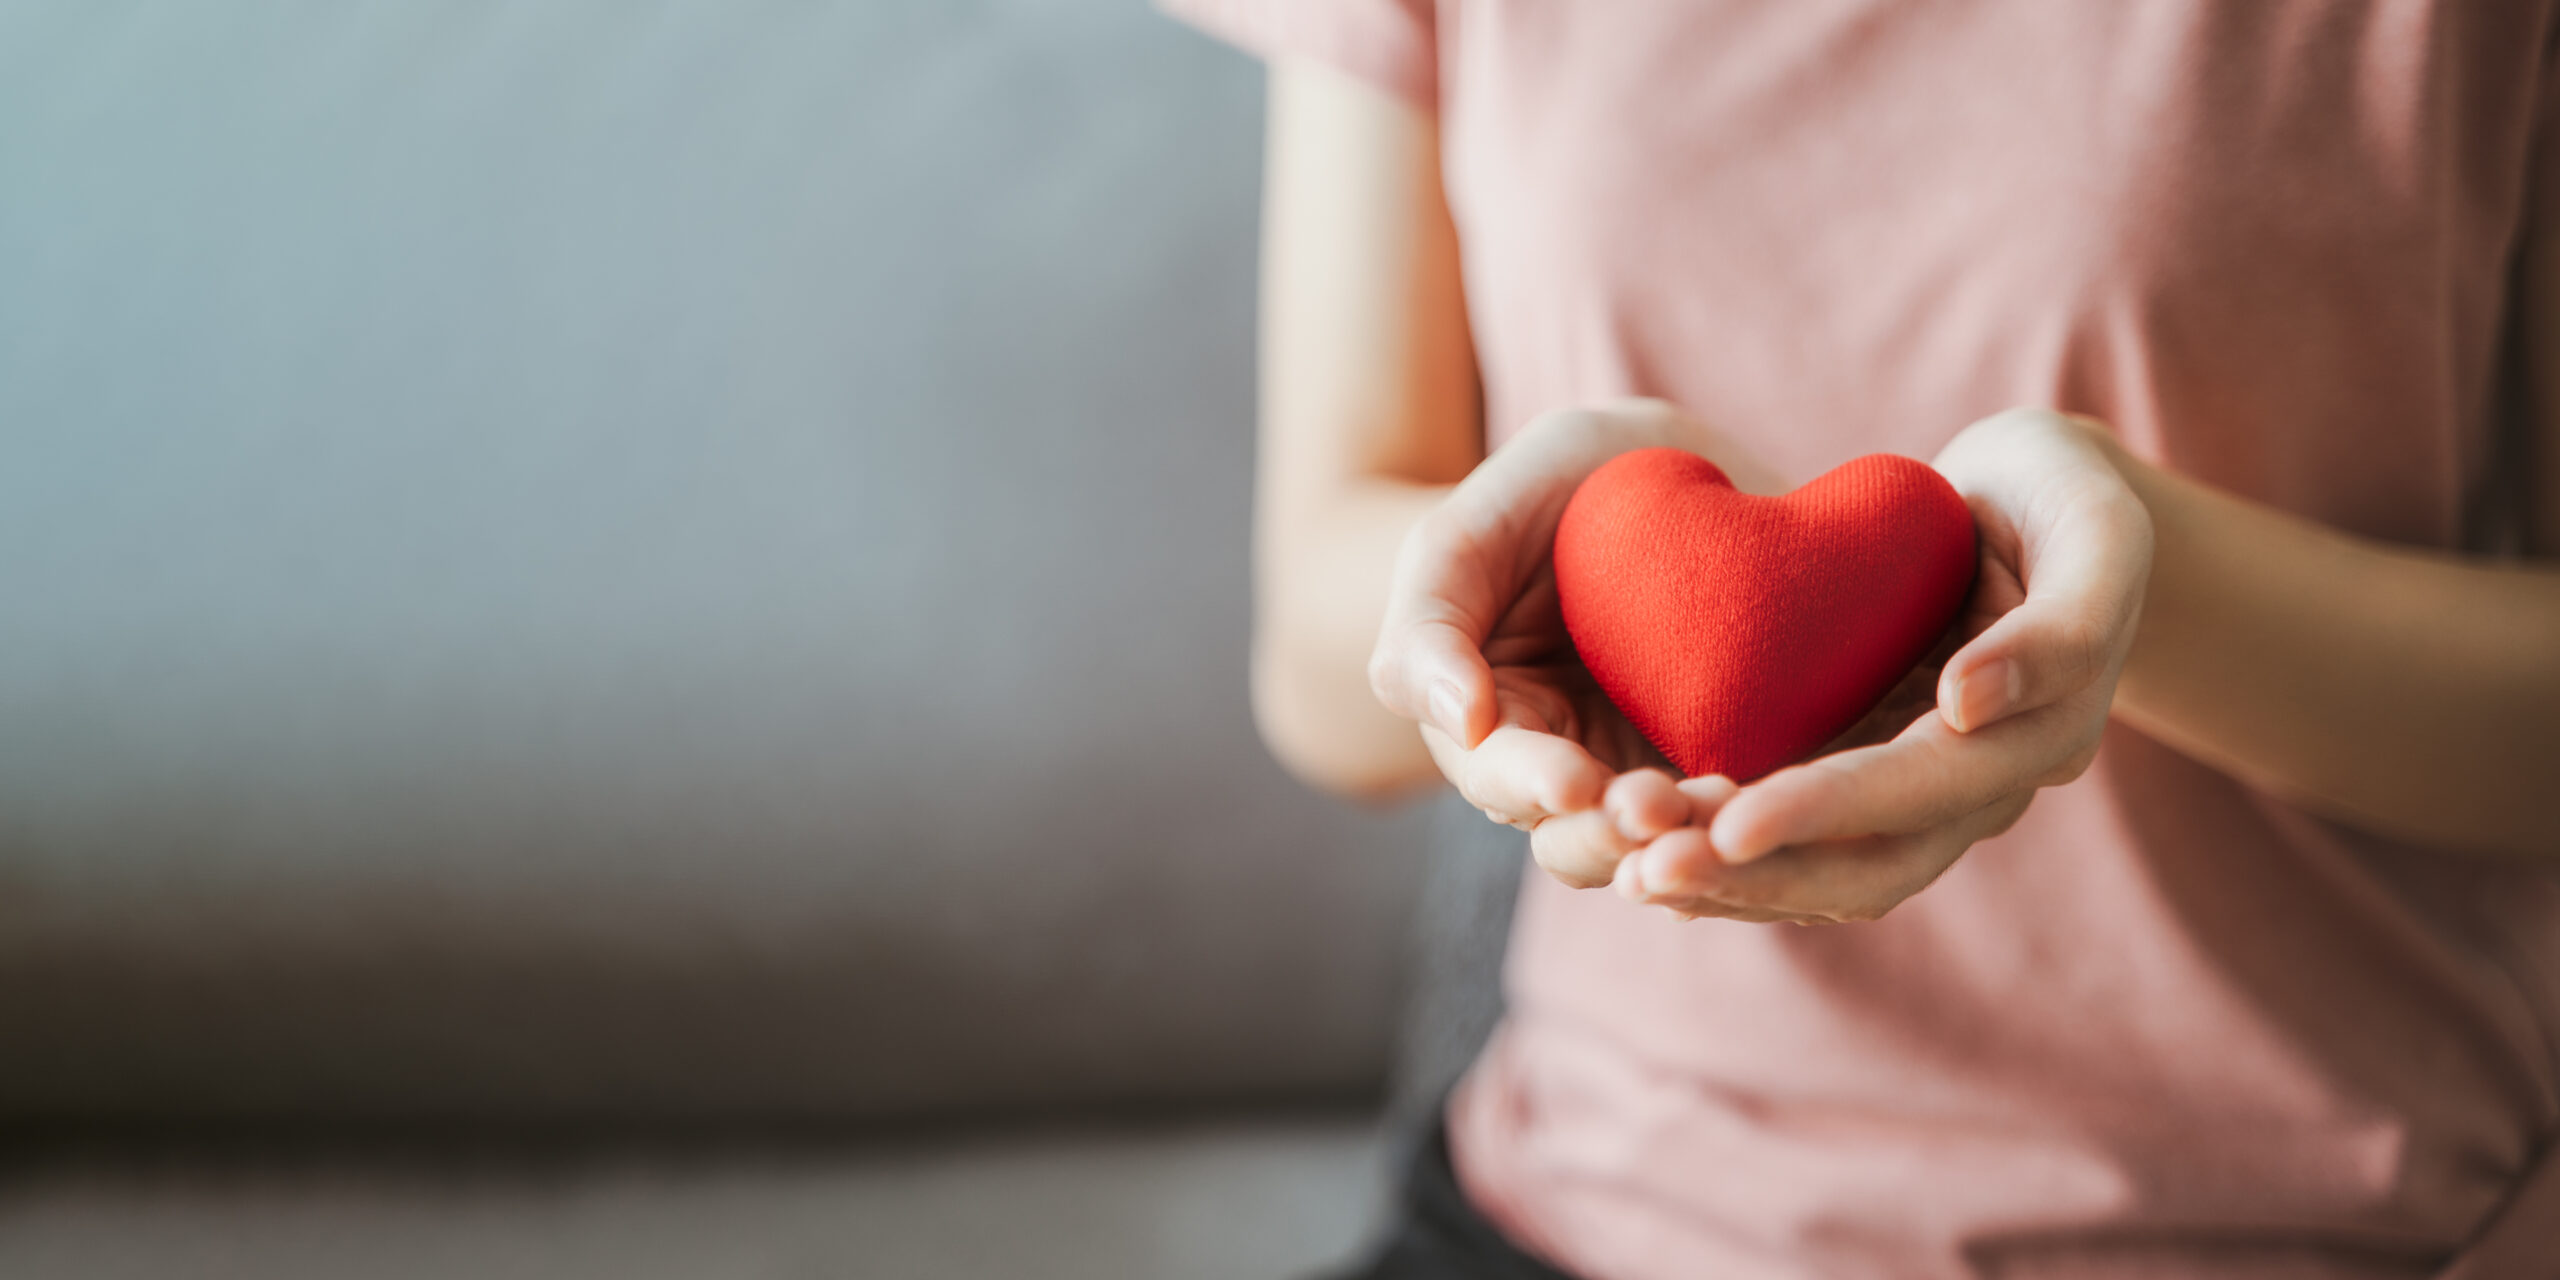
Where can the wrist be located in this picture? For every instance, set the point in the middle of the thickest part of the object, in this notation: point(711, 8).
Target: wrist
point(2161, 629)
point(2099, 436)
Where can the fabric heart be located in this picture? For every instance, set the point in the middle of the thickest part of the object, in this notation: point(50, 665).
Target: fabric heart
point(1739, 633)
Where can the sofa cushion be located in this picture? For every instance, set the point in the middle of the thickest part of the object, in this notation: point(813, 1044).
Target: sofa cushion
point(1233, 1201)
point(604, 559)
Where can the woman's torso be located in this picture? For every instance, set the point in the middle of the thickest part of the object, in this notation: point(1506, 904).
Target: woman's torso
point(2167, 1025)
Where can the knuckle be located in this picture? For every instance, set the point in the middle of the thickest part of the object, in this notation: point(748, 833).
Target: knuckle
point(2080, 649)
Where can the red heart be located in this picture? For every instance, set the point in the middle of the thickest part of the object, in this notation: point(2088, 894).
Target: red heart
point(1739, 633)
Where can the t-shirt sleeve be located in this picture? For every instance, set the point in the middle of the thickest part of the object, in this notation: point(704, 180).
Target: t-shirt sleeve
point(1388, 43)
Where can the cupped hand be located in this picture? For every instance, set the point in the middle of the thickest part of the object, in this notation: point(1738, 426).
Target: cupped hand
point(1474, 645)
point(2019, 706)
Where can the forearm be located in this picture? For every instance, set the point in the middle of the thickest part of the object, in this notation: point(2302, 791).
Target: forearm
point(1368, 413)
point(1321, 576)
point(2409, 692)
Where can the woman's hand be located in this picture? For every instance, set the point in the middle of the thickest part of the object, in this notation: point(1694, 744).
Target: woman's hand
point(1474, 645)
point(2066, 555)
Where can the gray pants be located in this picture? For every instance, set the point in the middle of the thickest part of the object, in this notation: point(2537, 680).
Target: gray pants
point(1453, 969)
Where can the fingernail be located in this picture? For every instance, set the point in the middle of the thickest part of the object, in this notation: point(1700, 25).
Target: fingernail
point(1449, 710)
point(1987, 694)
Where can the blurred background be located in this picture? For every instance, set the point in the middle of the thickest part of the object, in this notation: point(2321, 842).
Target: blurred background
point(622, 652)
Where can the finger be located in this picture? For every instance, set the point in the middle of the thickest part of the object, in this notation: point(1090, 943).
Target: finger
point(1628, 882)
point(1927, 776)
point(1706, 796)
point(1834, 882)
point(1581, 849)
point(1646, 803)
point(2084, 566)
point(1428, 664)
point(1464, 564)
point(1435, 672)
point(1664, 874)
point(1521, 776)
point(1627, 879)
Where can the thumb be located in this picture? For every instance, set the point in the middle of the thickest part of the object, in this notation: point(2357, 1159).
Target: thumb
point(2079, 542)
point(1431, 670)
point(2036, 654)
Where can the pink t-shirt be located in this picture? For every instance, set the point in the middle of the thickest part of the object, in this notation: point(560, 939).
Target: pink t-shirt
point(2168, 1026)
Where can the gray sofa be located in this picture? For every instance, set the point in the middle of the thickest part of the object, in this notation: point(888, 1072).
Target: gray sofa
point(622, 635)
